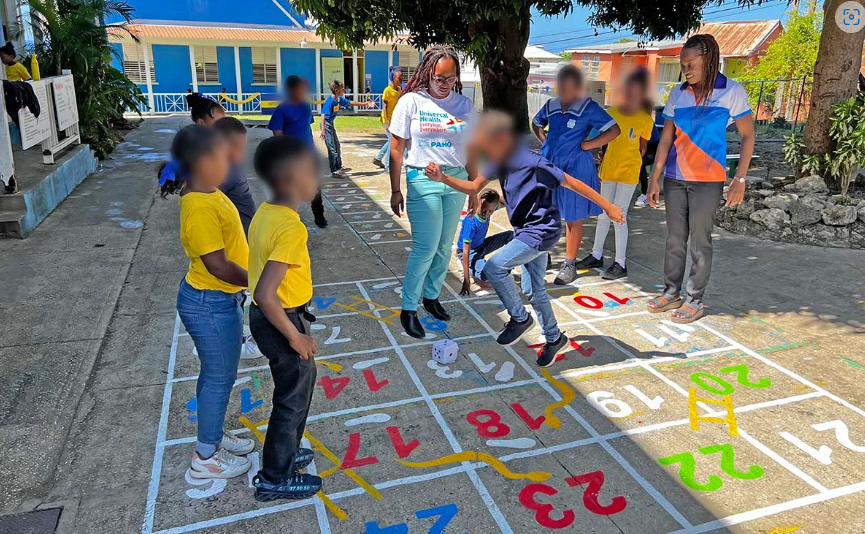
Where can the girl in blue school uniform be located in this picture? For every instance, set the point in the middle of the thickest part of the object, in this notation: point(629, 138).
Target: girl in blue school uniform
point(569, 119)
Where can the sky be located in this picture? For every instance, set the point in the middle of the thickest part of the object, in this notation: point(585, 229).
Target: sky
point(559, 33)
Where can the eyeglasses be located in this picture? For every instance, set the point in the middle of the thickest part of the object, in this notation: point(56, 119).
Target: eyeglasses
point(444, 81)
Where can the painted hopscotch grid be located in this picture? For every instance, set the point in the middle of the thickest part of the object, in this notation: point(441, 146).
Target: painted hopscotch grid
point(563, 396)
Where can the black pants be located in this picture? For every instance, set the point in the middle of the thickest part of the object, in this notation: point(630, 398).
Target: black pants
point(331, 141)
point(648, 159)
point(317, 206)
point(293, 382)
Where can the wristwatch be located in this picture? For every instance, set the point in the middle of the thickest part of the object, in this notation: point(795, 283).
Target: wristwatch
point(741, 179)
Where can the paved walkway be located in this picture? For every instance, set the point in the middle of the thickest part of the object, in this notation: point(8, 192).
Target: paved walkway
point(98, 384)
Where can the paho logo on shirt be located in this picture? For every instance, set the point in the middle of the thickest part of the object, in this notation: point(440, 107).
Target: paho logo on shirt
point(455, 125)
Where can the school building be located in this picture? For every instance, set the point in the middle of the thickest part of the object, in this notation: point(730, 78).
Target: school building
point(241, 53)
point(741, 43)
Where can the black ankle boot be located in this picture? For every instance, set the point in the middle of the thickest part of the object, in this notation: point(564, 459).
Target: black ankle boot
point(435, 308)
point(410, 323)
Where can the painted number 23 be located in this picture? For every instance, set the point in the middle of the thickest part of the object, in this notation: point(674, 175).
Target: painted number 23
point(594, 482)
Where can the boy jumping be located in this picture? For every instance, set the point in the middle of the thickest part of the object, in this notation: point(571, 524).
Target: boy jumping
point(329, 111)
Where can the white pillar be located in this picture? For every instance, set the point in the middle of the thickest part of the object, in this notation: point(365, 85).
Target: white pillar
point(146, 55)
point(318, 87)
point(354, 74)
point(192, 67)
point(279, 81)
point(237, 75)
point(389, 63)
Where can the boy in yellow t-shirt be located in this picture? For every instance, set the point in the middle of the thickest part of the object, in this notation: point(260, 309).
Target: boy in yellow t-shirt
point(388, 103)
point(620, 169)
point(15, 72)
point(280, 281)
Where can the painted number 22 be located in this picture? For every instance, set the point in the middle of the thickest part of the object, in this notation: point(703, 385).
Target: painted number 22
point(688, 467)
point(593, 481)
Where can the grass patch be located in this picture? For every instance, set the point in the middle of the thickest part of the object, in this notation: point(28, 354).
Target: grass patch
point(344, 123)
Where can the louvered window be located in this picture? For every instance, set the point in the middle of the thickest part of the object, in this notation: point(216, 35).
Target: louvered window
point(264, 66)
point(206, 67)
point(133, 63)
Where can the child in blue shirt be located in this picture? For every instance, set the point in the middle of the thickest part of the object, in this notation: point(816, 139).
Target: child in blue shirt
point(473, 244)
point(529, 183)
point(329, 111)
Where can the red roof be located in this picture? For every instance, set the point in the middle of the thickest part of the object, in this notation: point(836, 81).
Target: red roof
point(740, 38)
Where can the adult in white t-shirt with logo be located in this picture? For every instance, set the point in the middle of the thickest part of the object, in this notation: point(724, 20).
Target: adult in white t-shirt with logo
point(432, 120)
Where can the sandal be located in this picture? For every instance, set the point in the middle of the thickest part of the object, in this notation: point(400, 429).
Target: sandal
point(664, 303)
point(688, 313)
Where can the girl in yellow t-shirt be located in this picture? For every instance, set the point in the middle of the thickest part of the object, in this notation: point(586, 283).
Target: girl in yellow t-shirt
point(388, 103)
point(210, 298)
point(620, 169)
point(15, 72)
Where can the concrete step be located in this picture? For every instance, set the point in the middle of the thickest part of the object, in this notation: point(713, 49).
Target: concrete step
point(12, 224)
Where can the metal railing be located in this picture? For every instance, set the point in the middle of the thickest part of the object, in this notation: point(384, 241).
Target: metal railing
point(169, 103)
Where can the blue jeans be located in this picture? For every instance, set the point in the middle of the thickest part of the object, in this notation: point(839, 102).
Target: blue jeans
point(384, 153)
point(214, 321)
point(331, 141)
point(534, 261)
point(434, 214)
point(477, 256)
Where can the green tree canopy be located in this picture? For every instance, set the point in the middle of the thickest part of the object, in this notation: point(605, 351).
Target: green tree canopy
point(794, 53)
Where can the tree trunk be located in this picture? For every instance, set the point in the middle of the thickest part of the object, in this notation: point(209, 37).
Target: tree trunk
point(836, 74)
point(504, 71)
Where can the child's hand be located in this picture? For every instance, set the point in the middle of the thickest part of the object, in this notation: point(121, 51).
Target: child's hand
point(304, 345)
point(467, 287)
point(370, 104)
point(321, 134)
point(434, 172)
point(614, 213)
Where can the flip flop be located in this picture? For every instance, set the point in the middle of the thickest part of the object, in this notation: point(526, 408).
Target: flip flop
point(690, 314)
point(664, 303)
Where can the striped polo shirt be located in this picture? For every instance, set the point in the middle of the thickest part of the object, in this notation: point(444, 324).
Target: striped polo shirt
point(699, 152)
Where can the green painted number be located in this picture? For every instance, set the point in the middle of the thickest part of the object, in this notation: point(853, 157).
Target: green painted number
point(722, 387)
point(687, 467)
point(742, 377)
point(728, 462)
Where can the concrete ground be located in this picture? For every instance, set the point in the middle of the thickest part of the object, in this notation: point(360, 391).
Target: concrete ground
point(99, 383)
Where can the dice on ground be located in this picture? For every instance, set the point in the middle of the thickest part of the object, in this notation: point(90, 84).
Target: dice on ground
point(444, 351)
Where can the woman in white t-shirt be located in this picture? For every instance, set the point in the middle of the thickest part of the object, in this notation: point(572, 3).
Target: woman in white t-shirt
point(431, 120)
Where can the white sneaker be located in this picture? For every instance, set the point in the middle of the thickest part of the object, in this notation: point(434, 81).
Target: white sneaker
point(235, 445)
point(223, 464)
point(641, 201)
point(249, 350)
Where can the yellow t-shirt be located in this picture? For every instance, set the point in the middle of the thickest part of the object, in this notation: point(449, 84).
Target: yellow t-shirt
point(17, 73)
point(622, 159)
point(277, 234)
point(210, 222)
point(390, 95)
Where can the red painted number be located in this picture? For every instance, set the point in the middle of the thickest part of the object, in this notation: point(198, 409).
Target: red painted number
point(588, 302)
point(372, 382)
point(595, 481)
point(621, 301)
point(332, 386)
point(543, 510)
point(491, 427)
point(582, 350)
point(531, 422)
point(351, 460)
point(402, 448)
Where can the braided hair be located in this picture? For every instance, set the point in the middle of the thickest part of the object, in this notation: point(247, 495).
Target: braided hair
point(201, 107)
point(706, 46)
point(421, 77)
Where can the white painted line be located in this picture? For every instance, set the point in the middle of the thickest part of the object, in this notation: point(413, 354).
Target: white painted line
point(383, 242)
point(369, 363)
point(366, 419)
point(518, 443)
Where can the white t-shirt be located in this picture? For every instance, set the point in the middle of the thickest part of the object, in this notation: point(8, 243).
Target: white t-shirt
point(435, 130)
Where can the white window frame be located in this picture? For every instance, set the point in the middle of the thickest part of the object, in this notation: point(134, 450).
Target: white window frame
point(264, 71)
point(408, 62)
point(206, 65)
point(133, 63)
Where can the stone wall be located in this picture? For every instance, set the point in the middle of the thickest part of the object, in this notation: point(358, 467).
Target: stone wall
point(796, 212)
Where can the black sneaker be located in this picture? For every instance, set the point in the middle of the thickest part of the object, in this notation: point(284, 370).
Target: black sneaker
point(566, 275)
point(590, 262)
point(513, 331)
point(302, 459)
point(299, 486)
point(321, 222)
point(378, 163)
point(548, 354)
point(614, 272)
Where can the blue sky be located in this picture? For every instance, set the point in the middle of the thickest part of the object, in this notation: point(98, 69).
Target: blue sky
point(573, 31)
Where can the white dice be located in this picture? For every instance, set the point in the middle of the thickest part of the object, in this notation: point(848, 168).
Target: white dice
point(444, 351)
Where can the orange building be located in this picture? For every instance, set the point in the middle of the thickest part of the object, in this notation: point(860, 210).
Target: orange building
point(741, 42)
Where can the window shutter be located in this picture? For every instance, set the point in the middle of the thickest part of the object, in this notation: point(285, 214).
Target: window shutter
point(408, 62)
point(206, 65)
point(264, 66)
point(133, 63)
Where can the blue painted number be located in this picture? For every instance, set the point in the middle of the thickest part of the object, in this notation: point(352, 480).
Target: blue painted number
point(322, 303)
point(192, 406)
point(445, 514)
point(431, 323)
point(246, 404)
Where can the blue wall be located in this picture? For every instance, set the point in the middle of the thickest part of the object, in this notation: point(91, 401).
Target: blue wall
point(375, 63)
point(173, 72)
point(300, 62)
point(228, 11)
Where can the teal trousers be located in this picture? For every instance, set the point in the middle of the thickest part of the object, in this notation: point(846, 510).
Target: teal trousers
point(434, 213)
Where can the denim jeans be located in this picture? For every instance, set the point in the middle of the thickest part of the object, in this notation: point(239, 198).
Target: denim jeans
point(293, 383)
point(214, 321)
point(534, 262)
point(434, 214)
point(331, 141)
point(384, 153)
point(477, 256)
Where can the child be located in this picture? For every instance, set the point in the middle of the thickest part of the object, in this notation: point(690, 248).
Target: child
point(15, 72)
point(204, 110)
point(236, 188)
point(620, 169)
point(389, 98)
point(281, 284)
point(210, 298)
point(529, 182)
point(570, 118)
point(293, 118)
point(329, 111)
point(473, 244)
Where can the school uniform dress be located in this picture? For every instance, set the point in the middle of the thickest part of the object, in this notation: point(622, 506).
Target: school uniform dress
point(212, 309)
point(436, 130)
point(277, 234)
point(329, 111)
point(694, 177)
point(567, 129)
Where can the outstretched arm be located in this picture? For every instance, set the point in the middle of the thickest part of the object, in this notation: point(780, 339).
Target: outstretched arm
point(469, 187)
point(612, 211)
